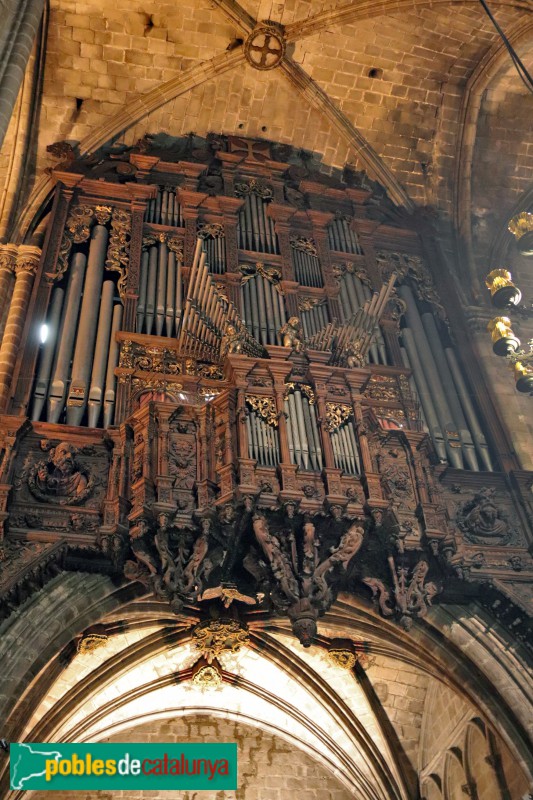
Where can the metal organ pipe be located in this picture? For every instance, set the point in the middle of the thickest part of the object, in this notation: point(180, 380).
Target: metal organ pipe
point(451, 394)
point(170, 293)
point(151, 289)
point(96, 390)
point(161, 287)
point(432, 376)
point(112, 361)
point(141, 303)
point(58, 387)
point(87, 330)
point(47, 355)
point(470, 413)
point(86, 333)
point(160, 295)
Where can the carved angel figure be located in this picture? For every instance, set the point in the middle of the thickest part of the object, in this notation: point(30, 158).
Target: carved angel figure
point(232, 341)
point(291, 335)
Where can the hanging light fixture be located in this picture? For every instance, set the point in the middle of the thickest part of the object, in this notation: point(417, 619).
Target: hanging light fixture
point(505, 295)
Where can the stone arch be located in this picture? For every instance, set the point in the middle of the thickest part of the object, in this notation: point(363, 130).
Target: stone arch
point(454, 778)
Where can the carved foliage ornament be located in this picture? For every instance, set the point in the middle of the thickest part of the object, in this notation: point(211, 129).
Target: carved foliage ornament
point(148, 359)
point(406, 265)
point(217, 636)
point(304, 245)
point(271, 274)
point(210, 230)
point(253, 186)
point(91, 642)
point(264, 407)
point(410, 596)
point(342, 658)
point(308, 303)
point(173, 242)
point(304, 388)
point(119, 247)
point(340, 270)
point(336, 415)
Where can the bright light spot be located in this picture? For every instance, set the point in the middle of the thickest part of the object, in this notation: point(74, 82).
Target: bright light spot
point(208, 397)
point(44, 332)
point(182, 396)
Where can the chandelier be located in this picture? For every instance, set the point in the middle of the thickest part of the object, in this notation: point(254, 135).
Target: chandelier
point(505, 295)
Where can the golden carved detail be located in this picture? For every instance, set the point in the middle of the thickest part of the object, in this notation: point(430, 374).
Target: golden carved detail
point(265, 407)
point(119, 247)
point(253, 186)
point(270, 274)
point(308, 303)
point(216, 636)
point(208, 676)
point(213, 230)
point(343, 658)
point(91, 642)
point(304, 388)
point(304, 244)
point(336, 415)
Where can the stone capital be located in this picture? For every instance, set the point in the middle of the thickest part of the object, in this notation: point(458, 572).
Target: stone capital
point(28, 258)
point(8, 257)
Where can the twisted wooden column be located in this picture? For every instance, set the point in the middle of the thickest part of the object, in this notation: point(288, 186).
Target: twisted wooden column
point(8, 259)
point(25, 269)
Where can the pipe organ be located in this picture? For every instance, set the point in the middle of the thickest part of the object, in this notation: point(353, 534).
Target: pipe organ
point(228, 380)
point(197, 279)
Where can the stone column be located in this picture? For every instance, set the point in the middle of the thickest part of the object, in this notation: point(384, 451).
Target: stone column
point(25, 269)
point(8, 258)
point(20, 23)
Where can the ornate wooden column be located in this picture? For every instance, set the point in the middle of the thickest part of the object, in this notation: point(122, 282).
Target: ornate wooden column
point(25, 271)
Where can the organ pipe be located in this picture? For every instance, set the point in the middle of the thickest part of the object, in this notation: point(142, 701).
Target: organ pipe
point(58, 387)
point(342, 238)
point(345, 449)
point(165, 209)
point(256, 229)
point(48, 352)
point(431, 373)
point(302, 431)
point(263, 440)
point(112, 362)
point(96, 390)
point(86, 333)
point(353, 295)
point(263, 309)
point(160, 304)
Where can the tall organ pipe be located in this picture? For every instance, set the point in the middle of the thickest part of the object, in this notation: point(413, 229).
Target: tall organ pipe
point(473, 422)
point(47, 355)
point(161, 288)
point(151, 289)
point(451, 393)
point(141, 304)
point(379, 347)
point(101, 352)
point(412, 386)
point(424, 394)
point(431, 373)
point(112, 361)
point(170, 293)
point(83, 353)
point(58, 387)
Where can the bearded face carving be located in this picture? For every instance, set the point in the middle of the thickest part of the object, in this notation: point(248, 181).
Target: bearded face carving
point(60, 478)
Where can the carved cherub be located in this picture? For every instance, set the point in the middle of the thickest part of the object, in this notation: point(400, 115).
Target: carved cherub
point(291, 335)
point(232, 341)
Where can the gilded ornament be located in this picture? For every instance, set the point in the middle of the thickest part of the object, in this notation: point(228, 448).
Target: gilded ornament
point(208, 676)
point(304, 388)
point(79, 223)
point(271, 274)
point(91, 642)
point(304, 245)
point(217, 636)
point(336, 415)
point(119, 247)
point(253, 186)
point(212, 230)
point(265, 407)
point(102, 214)
point(291, 335)
point(343, 658)
point(504, 341)
point(308, 303)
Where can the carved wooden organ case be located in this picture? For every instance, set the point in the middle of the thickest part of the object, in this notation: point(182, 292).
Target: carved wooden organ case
point(218, 414)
